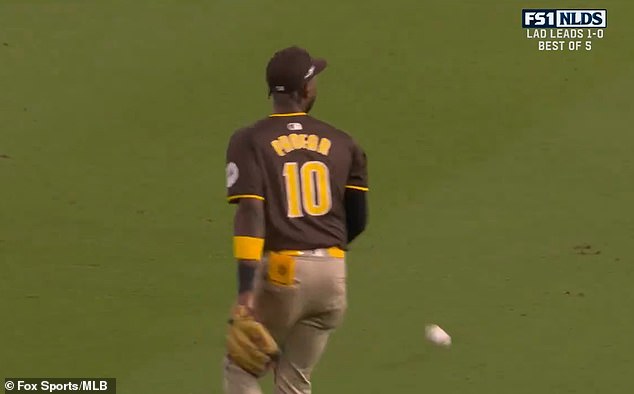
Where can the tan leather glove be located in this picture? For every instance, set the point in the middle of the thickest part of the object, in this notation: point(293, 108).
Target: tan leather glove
point(249, 343)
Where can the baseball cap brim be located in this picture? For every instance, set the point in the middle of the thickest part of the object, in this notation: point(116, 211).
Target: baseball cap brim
point(320, 64)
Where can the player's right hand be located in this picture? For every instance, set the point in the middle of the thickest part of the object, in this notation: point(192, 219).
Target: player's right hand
point(249, 343)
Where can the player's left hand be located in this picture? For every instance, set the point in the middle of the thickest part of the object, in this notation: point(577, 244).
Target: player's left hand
point(249, 343)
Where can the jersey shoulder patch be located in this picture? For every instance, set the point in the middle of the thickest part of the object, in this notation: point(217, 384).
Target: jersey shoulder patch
point(233, 173)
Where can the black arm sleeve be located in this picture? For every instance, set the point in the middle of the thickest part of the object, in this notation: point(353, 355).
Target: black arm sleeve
point(246, 276)
point(356, 202)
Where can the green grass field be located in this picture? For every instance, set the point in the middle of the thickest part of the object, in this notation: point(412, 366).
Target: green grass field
point(491, 165)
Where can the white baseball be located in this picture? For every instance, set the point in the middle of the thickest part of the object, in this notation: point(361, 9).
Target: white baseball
point(437, 335)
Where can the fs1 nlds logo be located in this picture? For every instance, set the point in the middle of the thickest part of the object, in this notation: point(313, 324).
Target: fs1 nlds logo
point(564, 19)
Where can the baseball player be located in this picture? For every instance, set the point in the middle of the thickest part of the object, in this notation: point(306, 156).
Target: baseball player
point(300, 188)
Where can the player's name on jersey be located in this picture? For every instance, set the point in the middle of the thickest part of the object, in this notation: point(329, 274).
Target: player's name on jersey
point(288, 143)
point(559, 33)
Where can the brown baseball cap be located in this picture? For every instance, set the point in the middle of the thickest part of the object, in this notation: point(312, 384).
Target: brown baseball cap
point(290, 68)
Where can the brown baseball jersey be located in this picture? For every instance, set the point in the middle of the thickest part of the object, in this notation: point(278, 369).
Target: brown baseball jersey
point(300, 167)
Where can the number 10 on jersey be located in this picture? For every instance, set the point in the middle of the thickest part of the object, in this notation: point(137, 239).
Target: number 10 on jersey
point(307, 189)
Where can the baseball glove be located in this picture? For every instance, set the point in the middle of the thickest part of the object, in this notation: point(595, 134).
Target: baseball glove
point(249, 343)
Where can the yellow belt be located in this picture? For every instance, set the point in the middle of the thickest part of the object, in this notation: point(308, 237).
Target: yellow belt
point(334, 252)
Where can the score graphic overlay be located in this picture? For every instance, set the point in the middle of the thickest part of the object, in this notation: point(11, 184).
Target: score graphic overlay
point(564, 30)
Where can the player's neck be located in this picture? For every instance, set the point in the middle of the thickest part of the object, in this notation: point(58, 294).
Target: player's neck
point(286, 106)
point(287, 109)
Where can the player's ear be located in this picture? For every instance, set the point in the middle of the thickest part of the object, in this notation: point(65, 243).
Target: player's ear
point(304, 92)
